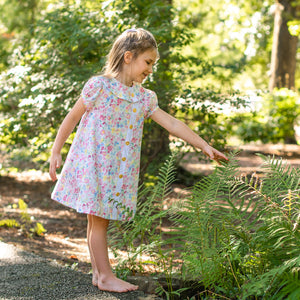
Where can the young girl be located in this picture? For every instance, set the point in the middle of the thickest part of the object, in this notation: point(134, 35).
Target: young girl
point(100, 175)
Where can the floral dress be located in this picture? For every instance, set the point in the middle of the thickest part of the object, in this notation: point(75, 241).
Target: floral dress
point(100, 175)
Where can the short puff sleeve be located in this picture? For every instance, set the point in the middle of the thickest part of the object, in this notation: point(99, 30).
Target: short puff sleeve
point(91, 90)
point(151, 103)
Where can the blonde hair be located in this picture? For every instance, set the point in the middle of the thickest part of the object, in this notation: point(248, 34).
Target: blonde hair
point(136, 41)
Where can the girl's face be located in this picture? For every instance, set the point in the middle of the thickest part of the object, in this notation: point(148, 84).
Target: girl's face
point(137, 69)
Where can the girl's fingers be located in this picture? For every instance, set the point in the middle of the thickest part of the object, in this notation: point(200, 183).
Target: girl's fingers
point(54, 164)
point(217, 155)
point(52, 172)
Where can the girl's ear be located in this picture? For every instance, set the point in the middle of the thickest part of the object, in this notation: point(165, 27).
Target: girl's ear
point(128, 57)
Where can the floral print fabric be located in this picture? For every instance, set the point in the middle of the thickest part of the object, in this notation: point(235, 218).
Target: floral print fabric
point(100, 175)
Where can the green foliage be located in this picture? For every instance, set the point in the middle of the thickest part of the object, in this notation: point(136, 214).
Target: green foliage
point(9, 223)
point(234, 236)
point(243, 237)
point(233, 38)
point(274, 122)
point(207, 112)
point(27, 224)
point(24, 13)
point(4, 53)
point(38, 229)
point(252, 126)
point(22, 205)
point(294, 27)
point(45, 79)
point(283, 111)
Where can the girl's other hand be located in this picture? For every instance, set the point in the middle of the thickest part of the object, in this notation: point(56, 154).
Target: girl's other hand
point(214, 154)
point(55, 163)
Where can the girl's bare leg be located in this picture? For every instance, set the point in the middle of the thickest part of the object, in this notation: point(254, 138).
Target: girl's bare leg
point(94, 268)
point(107, 281)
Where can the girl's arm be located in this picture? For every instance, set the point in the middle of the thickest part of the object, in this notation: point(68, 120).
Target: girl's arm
point(181, 130)
point(64, 131)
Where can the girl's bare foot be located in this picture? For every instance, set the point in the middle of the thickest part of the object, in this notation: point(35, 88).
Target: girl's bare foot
point(95, 278)
point(114, 284)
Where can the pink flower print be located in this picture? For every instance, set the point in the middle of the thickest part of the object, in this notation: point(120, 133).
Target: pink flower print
point(72, 182)
point(109, 148)
point(60, 188)
point(79, 175)
point(100, 147)
point(104, 138)
point(134, 140)
point(82, 173)
point(125, 187)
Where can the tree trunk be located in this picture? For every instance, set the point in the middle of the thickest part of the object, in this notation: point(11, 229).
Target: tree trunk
point(283, 60)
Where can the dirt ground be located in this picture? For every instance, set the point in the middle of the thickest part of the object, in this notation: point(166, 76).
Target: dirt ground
point(65, 239)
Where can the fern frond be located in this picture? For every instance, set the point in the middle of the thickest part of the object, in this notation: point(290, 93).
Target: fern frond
point(291, 286)
point(166, 177)
point(9, 223)
point(279, 178)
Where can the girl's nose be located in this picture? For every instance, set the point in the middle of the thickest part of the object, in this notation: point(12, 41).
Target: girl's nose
point(150, 69)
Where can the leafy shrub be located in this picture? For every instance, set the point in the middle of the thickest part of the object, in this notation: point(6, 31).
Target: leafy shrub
point(275, 121)
point(284, 109)
point(45, 79)
point(206, 111)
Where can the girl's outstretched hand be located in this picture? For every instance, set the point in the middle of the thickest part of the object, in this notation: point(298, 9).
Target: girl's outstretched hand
point(55, 162)
point(214, 154)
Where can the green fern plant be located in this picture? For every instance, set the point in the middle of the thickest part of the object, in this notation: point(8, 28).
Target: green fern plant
point(279, 236)
point(244, 238)
point(221, 213)
point(235, 237)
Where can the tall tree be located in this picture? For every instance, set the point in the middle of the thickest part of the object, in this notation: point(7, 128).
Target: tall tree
point(284, 49)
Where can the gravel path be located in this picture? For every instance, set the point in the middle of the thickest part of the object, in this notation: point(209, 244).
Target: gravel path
point(26, 276)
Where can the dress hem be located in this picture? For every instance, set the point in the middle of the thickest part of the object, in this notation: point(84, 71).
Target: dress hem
point(92, 213)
